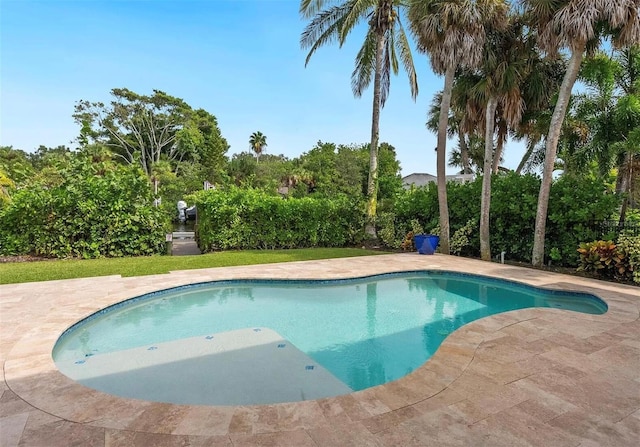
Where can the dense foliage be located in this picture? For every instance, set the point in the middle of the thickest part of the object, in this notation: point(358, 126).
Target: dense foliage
point(147, 129)
point(249, 218)
point(88, 207)
point(606, 259)
point(576, 204)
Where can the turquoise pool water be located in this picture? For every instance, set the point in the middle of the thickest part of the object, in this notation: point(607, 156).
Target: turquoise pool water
point(365, 331)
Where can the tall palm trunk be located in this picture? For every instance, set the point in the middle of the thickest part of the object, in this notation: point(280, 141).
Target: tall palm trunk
point(464, 152)
point(564, 95)
point(372, 183)
point(525, 158)
point(626, 172)
point(443, 122)
point(485, 247)
point(502, 137)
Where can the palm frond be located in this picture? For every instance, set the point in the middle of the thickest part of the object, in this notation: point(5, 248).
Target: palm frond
point(357, 10)
point(309, 8)
point(402, 43)
point(388, 57)
point(365, 64)
point(324, 28)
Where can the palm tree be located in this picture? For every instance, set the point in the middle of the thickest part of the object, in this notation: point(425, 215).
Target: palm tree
point(507, 56)
point(452, 34)
point(540, 87)
point(257, 141)
point(577, 25)
point(384, 42)
point(455, 127)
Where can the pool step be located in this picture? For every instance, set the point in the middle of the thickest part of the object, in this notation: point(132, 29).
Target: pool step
point(240, 367)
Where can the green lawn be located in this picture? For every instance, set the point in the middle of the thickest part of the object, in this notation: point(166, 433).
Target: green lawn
point(18, 272)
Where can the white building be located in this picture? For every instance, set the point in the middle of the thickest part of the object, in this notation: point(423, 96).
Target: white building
point(420, 179)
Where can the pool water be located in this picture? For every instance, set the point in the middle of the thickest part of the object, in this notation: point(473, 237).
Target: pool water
point(365, 331)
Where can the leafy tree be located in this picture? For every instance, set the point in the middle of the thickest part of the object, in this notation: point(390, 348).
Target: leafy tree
point(257, 142)
point(6, 184)
point(390, 180)
point(321, 163)
point(242, 168)
point(49, 156)
point(344, 170)
point(273, 172)
point(377, 58)
point(576, 25)
point(610, 113)
point(144, 129)
point(16, 164)
point(452, 33)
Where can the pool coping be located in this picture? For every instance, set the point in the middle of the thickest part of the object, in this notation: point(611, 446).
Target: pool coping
point(30, 372)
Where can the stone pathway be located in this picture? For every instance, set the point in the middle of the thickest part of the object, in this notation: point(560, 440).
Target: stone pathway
point(533, 377)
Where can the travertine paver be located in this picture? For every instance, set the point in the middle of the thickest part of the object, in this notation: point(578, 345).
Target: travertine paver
point(530, 377)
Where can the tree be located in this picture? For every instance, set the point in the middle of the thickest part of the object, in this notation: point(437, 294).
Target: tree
point(576, 25)
point(6, 184)
point(497, 89)
point(257, 141)
point(452, 34)
point(455, 127)
point(143, 129)
point(16, 164)
point(610, 111)
point(539, 90)
point(378, 57)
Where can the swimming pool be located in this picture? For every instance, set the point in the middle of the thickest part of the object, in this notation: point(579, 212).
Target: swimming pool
point(345, 335)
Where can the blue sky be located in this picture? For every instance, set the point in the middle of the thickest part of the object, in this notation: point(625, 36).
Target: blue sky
point(238, 59)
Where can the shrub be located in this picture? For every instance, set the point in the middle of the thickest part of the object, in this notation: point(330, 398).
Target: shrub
point(248, 218)
point(630, 244)
point(575, 202)
point(460, 239)
point(387, 231)
point(97, 208)
point(606, 259)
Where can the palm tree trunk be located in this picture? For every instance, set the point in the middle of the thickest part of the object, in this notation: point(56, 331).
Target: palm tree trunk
point(464, 152)
point(372, 182)
point(442, 158)
point(502, 136)
point(564, 95)
point(626, 172)
point(530, 146)
point(485, 247)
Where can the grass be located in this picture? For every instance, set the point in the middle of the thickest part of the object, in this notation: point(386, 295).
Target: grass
point(20, 272)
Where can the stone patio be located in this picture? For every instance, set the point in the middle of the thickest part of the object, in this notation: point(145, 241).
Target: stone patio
point(542, 377)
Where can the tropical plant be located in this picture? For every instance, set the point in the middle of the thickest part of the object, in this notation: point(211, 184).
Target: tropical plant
point(257, 142)
point(461, 237)
point(98, 208)
point(631, 246)
point(145, 129)
point(463, 156)
point(452, 33)
point(5, 185)
point(333, 20)
point(610, 112)
point(577, 25)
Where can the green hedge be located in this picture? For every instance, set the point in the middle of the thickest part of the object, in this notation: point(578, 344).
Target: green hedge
point(248, 219)
point(94, 210)
point(573, 205)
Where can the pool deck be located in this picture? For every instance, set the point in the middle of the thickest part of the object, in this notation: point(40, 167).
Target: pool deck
point(542, 377)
